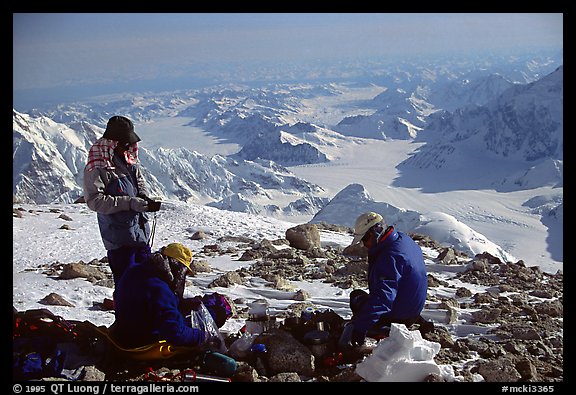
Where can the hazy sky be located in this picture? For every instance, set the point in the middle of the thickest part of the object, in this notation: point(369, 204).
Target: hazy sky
point(56, 50)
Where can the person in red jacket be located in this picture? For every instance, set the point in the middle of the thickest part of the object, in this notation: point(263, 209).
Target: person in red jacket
point(397, 280)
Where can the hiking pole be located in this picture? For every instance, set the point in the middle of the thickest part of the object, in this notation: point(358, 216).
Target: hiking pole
point(153, 206)
point(153, 232)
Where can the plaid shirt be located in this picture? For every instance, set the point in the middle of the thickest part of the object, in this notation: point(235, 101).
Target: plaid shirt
point(102, 152)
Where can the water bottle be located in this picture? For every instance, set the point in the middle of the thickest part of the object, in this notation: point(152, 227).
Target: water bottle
point(240, 349)
point(317, 342)
point(218, 364)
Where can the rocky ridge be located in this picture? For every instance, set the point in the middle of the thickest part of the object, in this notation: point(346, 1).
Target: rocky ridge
point(521, 309)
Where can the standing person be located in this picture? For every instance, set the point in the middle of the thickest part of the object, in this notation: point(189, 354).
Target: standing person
point(397, 280)
point(115, 188)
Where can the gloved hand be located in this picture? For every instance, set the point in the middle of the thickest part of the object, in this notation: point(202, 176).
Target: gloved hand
point(351, 337)
point(189, 304)
point(138, 204)
point(142, 196)
point(358, 338)
point(213, 342)
point(350, 342)
point(153, 206)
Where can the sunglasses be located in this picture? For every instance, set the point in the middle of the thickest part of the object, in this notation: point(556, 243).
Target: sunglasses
point(375, 230)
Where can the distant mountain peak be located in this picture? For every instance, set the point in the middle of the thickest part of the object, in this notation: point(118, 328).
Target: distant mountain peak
point(521, 127)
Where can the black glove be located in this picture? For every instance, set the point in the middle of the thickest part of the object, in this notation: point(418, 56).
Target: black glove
point(189, 304)
point(358, 338)
point(142, 196)
point(153, 206)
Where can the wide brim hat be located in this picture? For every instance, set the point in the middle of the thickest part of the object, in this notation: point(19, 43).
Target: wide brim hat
point(363, 224)
point(121, 129)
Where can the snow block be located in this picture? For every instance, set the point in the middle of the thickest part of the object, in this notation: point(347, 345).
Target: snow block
point(403, 356)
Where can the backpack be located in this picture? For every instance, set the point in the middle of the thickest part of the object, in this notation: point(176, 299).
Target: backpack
point(35, 337)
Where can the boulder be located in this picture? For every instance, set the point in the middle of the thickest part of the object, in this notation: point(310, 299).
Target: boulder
point(304, 237)
point(285, 354)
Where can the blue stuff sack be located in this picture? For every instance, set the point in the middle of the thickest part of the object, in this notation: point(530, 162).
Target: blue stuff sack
point(36, 335)
point(36, 365)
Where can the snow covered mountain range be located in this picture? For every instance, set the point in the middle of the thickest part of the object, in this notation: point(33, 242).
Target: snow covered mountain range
point(474, 126)
point(49, 159)
point(497, 119)
point(522, 126)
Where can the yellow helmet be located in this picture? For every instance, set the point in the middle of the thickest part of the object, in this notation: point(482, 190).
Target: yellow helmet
point(179, 252)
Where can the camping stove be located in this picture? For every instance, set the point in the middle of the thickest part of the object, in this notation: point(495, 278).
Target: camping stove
point(258, 319)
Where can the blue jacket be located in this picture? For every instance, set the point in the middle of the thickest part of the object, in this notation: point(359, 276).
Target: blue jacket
point(147, 311)
point(397, 281)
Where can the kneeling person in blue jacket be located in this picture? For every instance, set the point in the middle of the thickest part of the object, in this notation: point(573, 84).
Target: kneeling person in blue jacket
point(148, 300)
point(397, 280)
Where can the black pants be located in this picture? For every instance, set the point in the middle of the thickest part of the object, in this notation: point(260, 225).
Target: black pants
point(122, 258)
